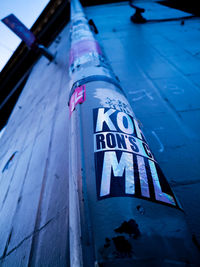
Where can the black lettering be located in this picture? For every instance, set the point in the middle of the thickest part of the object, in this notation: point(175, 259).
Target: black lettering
point(147, 150)
point(133, 145)
point(139, 133)
point(121, 141)
point(100, 141)
point(143, 138)
point(111, 142)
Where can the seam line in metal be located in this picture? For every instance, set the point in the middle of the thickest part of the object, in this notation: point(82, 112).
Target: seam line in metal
point(94, 78)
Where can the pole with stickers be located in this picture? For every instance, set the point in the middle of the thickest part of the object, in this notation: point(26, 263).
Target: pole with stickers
point(122, 211)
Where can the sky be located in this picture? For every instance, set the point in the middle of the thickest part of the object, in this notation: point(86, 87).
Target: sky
point(25, 10)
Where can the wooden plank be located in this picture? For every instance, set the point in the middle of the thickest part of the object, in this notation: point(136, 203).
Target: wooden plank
point(12, 193)
point(54, 204)
point(19, 257)
point(26, 188)
point(30, 192)
point(52, 242)
point(18, 146)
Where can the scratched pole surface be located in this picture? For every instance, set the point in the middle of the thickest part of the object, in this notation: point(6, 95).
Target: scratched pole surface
point(122, 209)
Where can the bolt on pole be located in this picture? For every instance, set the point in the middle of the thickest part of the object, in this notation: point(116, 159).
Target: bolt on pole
point(122, 209)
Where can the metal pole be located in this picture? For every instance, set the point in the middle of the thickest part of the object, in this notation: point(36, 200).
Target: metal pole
point(122, 209)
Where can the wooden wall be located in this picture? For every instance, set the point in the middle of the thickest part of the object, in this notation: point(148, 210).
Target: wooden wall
point(34, 187)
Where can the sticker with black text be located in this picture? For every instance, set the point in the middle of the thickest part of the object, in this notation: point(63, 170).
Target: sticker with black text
point(124, 164)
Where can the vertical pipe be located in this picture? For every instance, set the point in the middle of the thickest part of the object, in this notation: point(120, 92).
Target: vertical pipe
point(124, 211)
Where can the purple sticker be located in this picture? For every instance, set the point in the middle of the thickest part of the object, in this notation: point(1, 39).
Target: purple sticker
point(83, 47)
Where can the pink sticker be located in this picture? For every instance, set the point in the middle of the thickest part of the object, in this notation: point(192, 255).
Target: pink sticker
point(78, 97)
